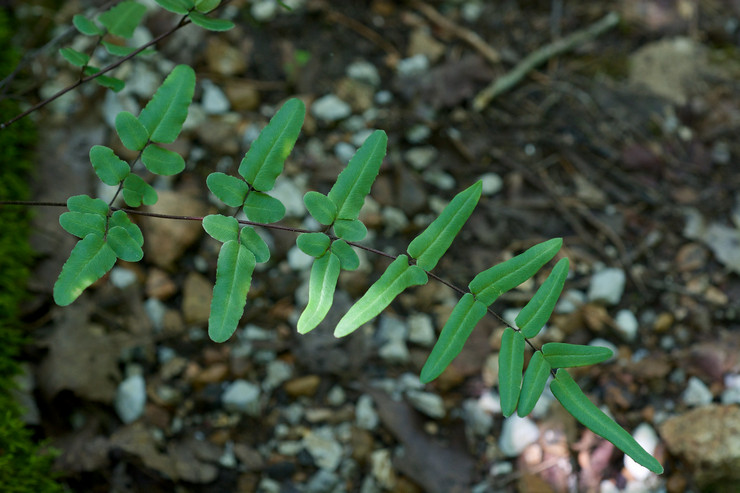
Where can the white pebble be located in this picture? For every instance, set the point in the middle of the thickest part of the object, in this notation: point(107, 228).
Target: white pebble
point(214, 100)
point(122, 278)
point(428, 403)
point(627, 324)
point(130, 398)
point(696, 393)
point(516, 434)
point(365, 415)
point(492, 183)
point(607, 286)
point(243, 397)
point(330, 108)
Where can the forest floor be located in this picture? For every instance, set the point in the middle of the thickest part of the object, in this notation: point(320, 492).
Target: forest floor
point(625, 145)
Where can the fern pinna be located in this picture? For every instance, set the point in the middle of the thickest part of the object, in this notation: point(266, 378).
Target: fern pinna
point(107, 233)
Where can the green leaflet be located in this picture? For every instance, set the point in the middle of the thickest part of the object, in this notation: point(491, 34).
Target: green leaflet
point(84, 203)
point(118, 50)
point(510, 366)
point(221, 228)
point(397, 277)
point(565, 390)
point(89, 260)
point(346, 254)
point(122, 19)
point(104, 80)
point(229, 189)
point(313, 244)
point(86, 26)
point(320, 207)
point(132, 133)
point(120, 218)
point(75, 57)
point(165, 113)
point(563, 355)
point(136, 191)
point(124, 245)
point(81, 224)
point(264, 160)
point(255, 244)
point(355, 181)
point(176, 6)
point(456, 331)
point(261, 208)
point(537, 312)
point(321, 286)
point(433, 242)
point(350, 229)
point(162, 161)
point(210, 23)
point(491, 283)
point(233, 277)
point(206, 6)
point(111, 169)
point(533, 384)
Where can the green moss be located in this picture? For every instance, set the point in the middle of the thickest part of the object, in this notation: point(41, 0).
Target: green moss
point(23, 466)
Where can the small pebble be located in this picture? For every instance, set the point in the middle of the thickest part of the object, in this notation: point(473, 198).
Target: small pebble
point(130, 398)
point(155, 309)
point(364, 72)
point(243, 397)
point(492, 183)
point(214, 101)
point(326, 451)
point(344, 151)
point(627, 324)
point(122, 278)
point(421, 330)
point(365, 415)
point(607, 286)
point(418, 133)
point(330, 108)
point(478, 421)
point(696, 393)
point(420, 157)
point(413, 67)
point(440, 179)
point(516, 434)
point(277, 372)
point(428, 403)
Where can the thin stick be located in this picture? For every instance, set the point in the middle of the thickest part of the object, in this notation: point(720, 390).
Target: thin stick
point(541, 55)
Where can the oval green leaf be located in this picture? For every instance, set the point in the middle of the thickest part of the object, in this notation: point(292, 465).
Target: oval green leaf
point(567, 392)
point(321, 286)
point(536, 313)
point(346, 254)
point(206, 6)
point(466, 314)
point(181, 7)
point(533, 384)
point(221, 228)
point(124, 245)
point(132, 133)
point(354, 182)
point(122, 19)
point(563, 355)
point(433, 242)
point(350, 229)
point(261, 208)
point(210, 23)
point(165, 113)
point(229, 189)
point(110, 82)
point(233, 277)
point(118, 50)
point(81, 224)
point(86, 204)
point(120, 218)
point(162, 161)
point(136, 191)
point(111, 169)
point(510, 366)
point(75, 57)
point(398, 276)
point(492, 283)
point(313, 244)
point(86, 26)
point(320, 207)
point(255, 244)
point(263, 163)
point(89, 260)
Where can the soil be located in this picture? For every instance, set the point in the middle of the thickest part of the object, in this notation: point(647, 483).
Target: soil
point(624, 146)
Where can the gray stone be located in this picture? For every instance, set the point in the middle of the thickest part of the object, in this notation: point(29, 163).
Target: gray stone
point(492, 183)
point(421, 157)
point(330, 108)
point(516, 434)
point(298, 260)
point(322, 482)
point(264, 10)
point(130, 398)
point(697, 393)
point(428, 403)
point(365, 415)
point(323, 447)
point(242, 397)
point(478, 422)
point(607, 286)
point(413, 67)
point(364, 71)
point(382, 469)
point(394, 351)
point(278, 371)
point(383, 97)
point(418, 133)
point(122, 278)
point(731, 394)
point(291, 195)
point(421, 330)
point(570, 301)
point(440, 179)
point(214, 101)
point(627, 324)
point(344, 151)
point(336, 396)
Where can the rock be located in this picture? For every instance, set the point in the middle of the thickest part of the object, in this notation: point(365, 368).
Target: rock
point(421, 330)
point(196, 300)
point(382, 469)
point(421, 157)
point(516, 434)
point(696, 393)
point(422, 43)
point(130, 398)
point(298, 260)
point(365, 415)
point(336, 396)
point(122, 278)
point(165, 239)
point(645, 435)
point(731, 394)
point(242, 95)
point(364, 71)
point(330, 108)
point(478, 421)
point(413, 67)
point(357, 94)
point(321, 482)
point(277, 372)
point(156, 310)
point(344, 151)
point(291, 195)
point(224, 58)
point(303, 386)
point(492, 183)
point(427, 403)
point(242, 397)
point(607, 286)
point(418, 133)
point(159, 285)
point(627, 324)
point(214, 101)
point(326, 451)
point(707, 440)
point(440, 179)
point(394, 351)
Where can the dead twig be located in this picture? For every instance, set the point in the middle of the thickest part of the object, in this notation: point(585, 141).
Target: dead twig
point(470, 37)
point(365, 32)
point(541, 55)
